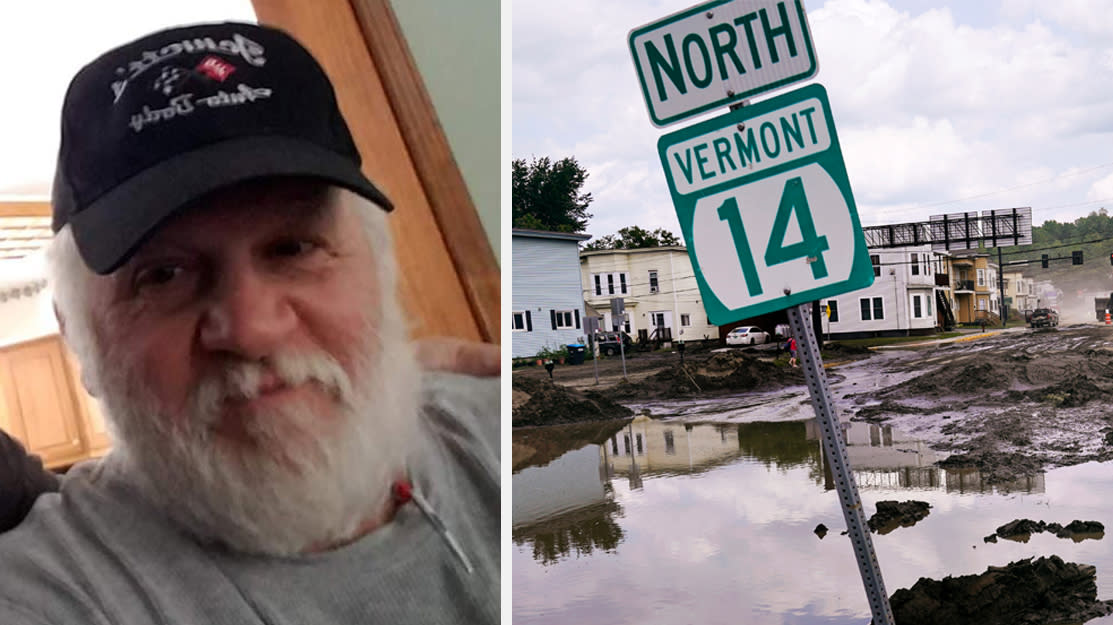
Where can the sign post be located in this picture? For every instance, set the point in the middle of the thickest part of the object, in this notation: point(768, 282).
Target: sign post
point(761, 192)
point(618, 312)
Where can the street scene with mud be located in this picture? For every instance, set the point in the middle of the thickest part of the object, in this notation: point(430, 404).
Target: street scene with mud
point(981, 423)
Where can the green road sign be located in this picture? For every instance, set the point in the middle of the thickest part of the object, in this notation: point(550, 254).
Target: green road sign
point(765, 206)
point(720, 52)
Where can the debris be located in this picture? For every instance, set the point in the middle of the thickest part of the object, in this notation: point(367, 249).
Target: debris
point(1026, 592)
point(1021, 529)
point(893, 514)
point(821, 530)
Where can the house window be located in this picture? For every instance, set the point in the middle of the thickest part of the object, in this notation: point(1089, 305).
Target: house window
point(685, 320)
point(872, 309)
point(981, 277)
point(652, 281)
point(833, 307)
point(610, 284)
point(598, 285)
point(981, 303)
point(564, 320)
point(670, 443)
point(875, 260)
point(917, 306)
point(915, 264)
point(622, 282)
point(520, 321)
point(927, 301)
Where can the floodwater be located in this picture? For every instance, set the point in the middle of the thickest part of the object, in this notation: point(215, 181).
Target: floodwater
point(676, 521)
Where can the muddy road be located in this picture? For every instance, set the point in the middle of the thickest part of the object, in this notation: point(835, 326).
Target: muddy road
point(1011, 404)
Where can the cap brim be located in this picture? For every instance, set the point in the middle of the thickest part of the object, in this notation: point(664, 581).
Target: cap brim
point(110, 230)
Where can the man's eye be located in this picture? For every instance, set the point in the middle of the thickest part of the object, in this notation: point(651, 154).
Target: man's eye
point(292, 247)
point(158, 275)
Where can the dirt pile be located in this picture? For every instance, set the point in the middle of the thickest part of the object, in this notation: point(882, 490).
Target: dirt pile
point(540, 402)
point(1021, 530)
point(893, 514)
point(1045, 591)
point(994, 465)
point(723, 371)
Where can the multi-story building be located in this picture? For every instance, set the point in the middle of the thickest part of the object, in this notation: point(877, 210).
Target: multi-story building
point(1020, 292)
point(974, 286)
point(904, 298)
point(547, 297)
point(658, 288)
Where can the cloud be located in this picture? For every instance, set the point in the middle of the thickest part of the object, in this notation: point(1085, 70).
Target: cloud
point(937, 110)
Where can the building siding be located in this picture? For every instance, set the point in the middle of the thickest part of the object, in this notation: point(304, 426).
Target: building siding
point(546, 277)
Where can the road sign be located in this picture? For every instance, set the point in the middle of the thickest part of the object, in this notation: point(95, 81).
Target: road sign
point(765, 206)
point(720, 52)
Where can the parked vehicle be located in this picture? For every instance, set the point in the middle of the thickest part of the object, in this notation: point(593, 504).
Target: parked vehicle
point(747, 335)
point(608, 342)
point(1044, 317)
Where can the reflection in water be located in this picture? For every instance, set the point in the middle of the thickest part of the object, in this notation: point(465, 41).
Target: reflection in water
point(565, 507)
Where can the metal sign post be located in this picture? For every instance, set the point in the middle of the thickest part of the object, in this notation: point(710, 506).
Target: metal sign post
point(799, 320)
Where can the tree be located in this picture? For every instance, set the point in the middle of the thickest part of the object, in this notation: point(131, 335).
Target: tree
point(546, 195)
point(632, 238)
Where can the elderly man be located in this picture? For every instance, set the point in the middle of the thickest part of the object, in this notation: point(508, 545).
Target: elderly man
point(224, 272)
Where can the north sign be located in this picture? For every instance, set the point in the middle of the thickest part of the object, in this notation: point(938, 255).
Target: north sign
point(765, 206)
point(720, 52)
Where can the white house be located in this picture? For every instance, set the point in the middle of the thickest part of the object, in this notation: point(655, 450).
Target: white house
point(902, 300)
point(658, 288)
point(548, 300)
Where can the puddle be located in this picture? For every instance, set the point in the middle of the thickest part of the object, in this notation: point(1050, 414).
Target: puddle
point(681, 522)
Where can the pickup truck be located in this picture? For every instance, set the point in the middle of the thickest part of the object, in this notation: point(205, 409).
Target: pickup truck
point(1044, 317)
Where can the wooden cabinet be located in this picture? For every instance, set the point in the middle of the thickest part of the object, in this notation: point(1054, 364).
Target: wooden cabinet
point(43, 404)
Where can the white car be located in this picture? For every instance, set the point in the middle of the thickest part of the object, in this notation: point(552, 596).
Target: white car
point(747, 335)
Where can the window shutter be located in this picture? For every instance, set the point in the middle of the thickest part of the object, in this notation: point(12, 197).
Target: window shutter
point(529, 323)
point(552, 317)
point(577, 318)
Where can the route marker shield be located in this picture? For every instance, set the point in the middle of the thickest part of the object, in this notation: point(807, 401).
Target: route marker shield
point(765, 206)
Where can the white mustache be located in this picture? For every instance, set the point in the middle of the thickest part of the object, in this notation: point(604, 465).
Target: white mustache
point(246, 379)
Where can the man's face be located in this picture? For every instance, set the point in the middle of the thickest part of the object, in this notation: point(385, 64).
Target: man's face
point(250, 273)
point(251, 362)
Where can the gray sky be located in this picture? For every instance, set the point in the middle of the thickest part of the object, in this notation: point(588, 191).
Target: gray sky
point(44, 43)
point(940, 107)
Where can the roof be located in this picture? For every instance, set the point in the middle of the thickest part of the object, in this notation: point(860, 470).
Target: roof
point(639, 250)
point(545, 234)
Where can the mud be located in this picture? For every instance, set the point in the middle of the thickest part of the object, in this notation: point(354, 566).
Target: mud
point(1021, 530)
point(1011, 405)
point(732, 371)
point(893, 514)
point(540, 402)
point(1047, 591)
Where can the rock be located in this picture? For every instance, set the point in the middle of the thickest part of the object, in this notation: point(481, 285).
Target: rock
point(1021, 529)
point(1026, 592)
point(992, 538)
point(893, 514)
point(821, 530)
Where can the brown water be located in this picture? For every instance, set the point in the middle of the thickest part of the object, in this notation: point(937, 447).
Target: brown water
point(667, 522)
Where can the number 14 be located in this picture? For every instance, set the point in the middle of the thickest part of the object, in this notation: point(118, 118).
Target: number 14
point(776, 252)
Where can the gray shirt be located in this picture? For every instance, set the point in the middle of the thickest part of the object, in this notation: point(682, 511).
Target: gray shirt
point(96, 553)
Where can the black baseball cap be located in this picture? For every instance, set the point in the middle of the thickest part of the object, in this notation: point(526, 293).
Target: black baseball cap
point(156, 124)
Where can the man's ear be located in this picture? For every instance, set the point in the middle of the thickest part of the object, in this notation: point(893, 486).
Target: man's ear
point(86, 381)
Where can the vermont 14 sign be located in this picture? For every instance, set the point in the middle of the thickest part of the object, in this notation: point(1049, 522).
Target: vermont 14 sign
point(765, 206)
point(720, 52)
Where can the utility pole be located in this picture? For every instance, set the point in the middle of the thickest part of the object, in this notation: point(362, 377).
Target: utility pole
point(1001, 287)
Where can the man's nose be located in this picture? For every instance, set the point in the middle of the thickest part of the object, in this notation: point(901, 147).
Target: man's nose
point(248, 315)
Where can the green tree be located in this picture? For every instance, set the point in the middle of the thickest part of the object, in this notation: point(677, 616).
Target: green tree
point(632, 238)
point(547, 195)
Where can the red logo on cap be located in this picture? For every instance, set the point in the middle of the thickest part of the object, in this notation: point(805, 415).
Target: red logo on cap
point(216, 68)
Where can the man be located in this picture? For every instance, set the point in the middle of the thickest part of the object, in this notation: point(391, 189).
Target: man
point(224, 273)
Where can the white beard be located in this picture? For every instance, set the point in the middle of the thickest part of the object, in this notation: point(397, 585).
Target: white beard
point(301, 480)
